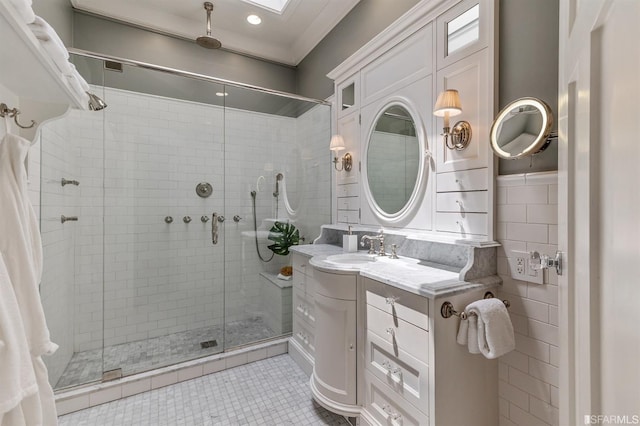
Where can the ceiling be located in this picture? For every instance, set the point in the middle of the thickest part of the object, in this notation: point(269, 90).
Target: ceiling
point(286, 38)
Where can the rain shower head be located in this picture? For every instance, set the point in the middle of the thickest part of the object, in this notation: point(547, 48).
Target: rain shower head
point(95, 103)
point(207, 41)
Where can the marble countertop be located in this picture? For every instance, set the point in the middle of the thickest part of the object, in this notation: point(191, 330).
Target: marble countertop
point(412, 275)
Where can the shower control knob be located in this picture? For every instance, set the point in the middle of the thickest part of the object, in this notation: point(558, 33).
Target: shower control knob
point(237, 218)
point(168, 219)
point(204, 219)
point(220, 218)
point(186, 219)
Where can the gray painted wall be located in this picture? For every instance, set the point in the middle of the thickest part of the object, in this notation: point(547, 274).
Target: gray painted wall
point(528, 53)
point(118, 39)
point(59, 14)
point(362, 23)
point(529, 67)
point(528, 58)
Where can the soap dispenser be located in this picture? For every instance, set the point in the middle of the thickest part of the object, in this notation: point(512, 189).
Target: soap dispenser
point(349, 242)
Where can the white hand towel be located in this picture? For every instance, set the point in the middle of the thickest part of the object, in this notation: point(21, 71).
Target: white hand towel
point(494, 329)
point(51, 42)
point(83, 83)
point(468, 334)
point(23, 7)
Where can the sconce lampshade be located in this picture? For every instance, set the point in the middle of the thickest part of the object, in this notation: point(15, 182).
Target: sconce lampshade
point(337, 143)
point(448, 102)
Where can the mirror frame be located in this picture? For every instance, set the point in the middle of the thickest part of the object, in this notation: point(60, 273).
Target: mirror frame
point(542, 139)
point(413, 201)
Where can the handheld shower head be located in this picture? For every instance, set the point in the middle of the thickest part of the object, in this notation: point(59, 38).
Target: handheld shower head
point(279, 177)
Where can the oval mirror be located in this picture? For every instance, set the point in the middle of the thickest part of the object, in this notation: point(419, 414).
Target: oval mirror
point(393, 162)
point(521, 129)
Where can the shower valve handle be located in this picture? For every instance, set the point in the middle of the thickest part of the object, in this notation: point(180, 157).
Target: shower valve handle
point(214, 228)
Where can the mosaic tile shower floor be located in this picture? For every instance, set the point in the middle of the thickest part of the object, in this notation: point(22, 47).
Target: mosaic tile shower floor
point(144, 355)
point(270, 392)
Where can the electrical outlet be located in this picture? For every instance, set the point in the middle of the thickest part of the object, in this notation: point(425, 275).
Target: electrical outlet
point(521, 269)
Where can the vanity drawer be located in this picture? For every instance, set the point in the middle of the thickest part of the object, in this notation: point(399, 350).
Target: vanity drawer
point(348, 216)
point(348, 203)
point(304, 308)
point(399, 333)
point(469, 202)
point(398, 303)
point(403, 374)
point(303, 334)
point(463, 180)
point(336, 286)
point(348, 190)
point(303, 284)
point(387, 408)
point(462, 223)
point(300, 263)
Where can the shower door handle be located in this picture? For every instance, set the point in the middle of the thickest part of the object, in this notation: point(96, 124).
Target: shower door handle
point(214, 228)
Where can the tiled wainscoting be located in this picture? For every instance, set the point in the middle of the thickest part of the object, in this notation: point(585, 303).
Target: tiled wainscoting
point(93, 395)
point(527, 220)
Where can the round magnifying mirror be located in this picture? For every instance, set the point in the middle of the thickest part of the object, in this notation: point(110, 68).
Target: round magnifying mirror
point(521, 129)
point(393, 161)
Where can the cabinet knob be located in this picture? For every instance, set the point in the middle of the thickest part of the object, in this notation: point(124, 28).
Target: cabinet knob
point(391, 332)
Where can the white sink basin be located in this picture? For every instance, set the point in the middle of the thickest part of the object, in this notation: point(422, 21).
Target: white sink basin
point(351, 259)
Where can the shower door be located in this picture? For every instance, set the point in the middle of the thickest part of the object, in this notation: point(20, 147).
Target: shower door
point(164, 180)
point(275, 171)
point(142, 280)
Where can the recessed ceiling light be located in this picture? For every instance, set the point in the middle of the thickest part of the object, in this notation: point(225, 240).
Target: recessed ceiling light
point(222, 94)
point(254, 19)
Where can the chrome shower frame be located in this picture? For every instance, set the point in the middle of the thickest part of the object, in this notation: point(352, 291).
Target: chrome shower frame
point(193, 75)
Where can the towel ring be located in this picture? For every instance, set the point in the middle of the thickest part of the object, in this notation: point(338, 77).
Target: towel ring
point(13, 113)
point(447, 310)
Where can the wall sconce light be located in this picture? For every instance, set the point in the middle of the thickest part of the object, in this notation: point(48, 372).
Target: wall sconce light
point(337, 144)
point(448, 105)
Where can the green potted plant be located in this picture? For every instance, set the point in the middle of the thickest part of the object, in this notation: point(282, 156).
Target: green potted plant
point(283, 235)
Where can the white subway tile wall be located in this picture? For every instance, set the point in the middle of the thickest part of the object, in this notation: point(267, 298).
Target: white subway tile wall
point(139, 161)
point(528, 377)
point(56, 289)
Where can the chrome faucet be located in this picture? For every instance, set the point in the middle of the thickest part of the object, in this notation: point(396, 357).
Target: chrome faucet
point(379, 238)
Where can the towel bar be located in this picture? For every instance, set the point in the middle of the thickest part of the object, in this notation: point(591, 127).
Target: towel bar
point(447, 311)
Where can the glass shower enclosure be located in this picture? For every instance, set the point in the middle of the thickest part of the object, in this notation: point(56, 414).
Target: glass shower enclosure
point(180, 180)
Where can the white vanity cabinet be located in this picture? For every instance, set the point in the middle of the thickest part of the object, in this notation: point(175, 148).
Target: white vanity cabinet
point(414, 372)
point(386, 94)
point(302, 344)
point(334, 378)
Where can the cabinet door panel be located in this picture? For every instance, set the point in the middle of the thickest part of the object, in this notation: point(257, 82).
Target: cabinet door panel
point(470, 76)
point(334, 373)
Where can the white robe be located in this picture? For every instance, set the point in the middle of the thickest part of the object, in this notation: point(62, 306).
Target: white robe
point(21, 249)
